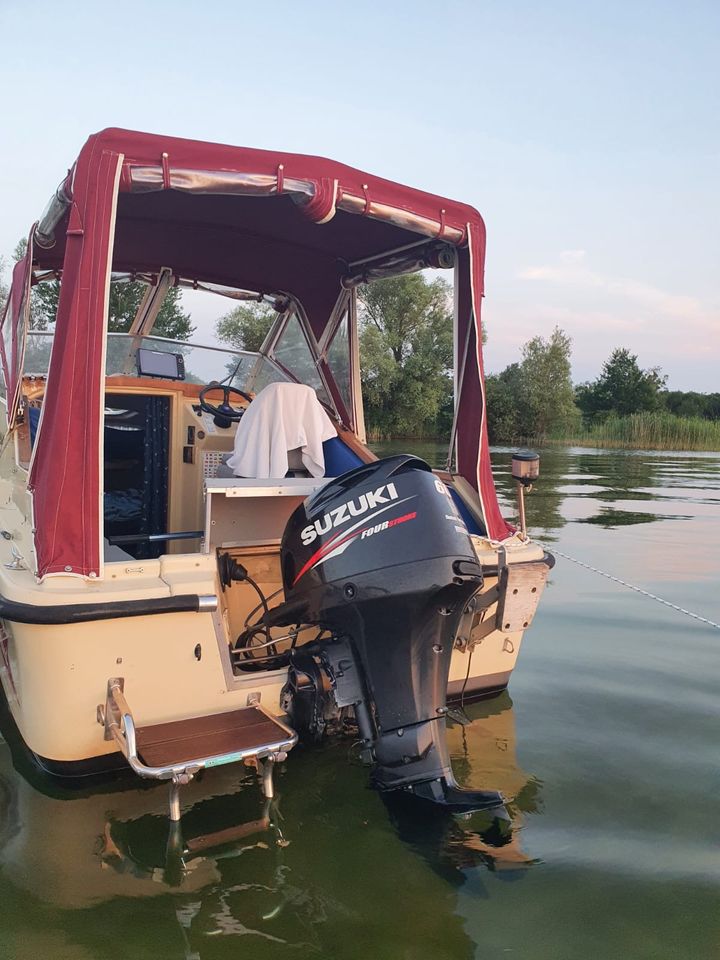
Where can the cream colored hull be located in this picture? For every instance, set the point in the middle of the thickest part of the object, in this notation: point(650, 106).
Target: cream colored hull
point(174, 665)
point(55, 677)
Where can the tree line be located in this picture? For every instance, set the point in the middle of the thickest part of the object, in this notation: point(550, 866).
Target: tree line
point(406, 347)
point(535, 399)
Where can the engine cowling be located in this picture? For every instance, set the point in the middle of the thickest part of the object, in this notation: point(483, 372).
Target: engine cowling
point(381, 558)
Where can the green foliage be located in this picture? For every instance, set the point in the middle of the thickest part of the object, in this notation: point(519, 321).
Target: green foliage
point(655, 430)
point(690, 404)
point(533, 398)
point(125, 296)
point(406, 352)
point(246, 327)
point(506, 422)
point(547, 392)
point(621, 389)
point(43, 297)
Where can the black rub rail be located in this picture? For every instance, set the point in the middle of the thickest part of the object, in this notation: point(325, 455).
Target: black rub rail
point(48, 614)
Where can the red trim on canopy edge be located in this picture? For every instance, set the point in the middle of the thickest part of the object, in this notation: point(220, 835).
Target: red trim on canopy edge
point(66, 469)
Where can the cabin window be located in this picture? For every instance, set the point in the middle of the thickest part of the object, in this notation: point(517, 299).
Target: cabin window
point(16, 322)
point(338, 359)
point(7, 350)
point(293, 351)
point(44, 299)
point(37, 353)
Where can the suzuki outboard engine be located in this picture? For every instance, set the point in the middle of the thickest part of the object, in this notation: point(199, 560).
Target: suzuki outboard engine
point(381, 559)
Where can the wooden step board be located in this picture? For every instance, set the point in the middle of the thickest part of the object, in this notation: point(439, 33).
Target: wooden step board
point(218, 735)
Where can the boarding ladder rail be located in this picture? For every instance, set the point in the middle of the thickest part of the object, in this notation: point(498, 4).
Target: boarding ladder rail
point(251, 735)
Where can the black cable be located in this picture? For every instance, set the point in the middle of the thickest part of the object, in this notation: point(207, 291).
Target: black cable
point(465, 681)
point(242, 648)
point(255, 609)
point(263, 599)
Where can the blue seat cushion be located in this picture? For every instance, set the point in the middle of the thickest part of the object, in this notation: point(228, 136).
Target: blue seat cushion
point(34, 418)
point(339, 458)
point(470, 521)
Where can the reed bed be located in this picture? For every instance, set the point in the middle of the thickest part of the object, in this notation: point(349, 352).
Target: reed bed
point(648, 431)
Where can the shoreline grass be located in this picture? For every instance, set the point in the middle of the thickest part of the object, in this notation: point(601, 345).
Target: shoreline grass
point(638, 431)
point(646, 431)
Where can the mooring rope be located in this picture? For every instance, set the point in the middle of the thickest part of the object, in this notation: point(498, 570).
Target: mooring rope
point(631, 586)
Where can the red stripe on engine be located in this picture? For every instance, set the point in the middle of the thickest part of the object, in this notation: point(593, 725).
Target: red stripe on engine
point(397, 520)
point(328, 548)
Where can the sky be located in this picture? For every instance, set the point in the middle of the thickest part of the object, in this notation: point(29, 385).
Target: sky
point(586, 134)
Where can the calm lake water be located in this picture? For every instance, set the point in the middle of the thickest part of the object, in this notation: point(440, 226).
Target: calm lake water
point(607, 742)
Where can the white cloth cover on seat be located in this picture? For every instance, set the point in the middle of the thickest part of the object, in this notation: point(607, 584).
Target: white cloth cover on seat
point(282, 417)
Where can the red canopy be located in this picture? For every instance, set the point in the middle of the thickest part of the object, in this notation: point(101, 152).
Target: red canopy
point(266, 221)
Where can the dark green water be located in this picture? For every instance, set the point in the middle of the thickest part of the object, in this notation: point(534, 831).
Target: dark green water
point(607, 743)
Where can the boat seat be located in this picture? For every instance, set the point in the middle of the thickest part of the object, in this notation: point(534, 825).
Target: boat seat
point(339, 459)
point(34, 421)
point(283, 418)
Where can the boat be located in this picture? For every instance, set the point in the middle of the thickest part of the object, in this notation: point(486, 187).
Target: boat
point(164, 610)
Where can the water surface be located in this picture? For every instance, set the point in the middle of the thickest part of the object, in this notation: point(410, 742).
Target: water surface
point(606, 743)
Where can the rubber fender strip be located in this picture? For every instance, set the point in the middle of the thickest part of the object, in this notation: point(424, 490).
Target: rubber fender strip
point(49, 614)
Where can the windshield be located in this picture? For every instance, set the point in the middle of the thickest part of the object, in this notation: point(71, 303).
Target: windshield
point(242, 369)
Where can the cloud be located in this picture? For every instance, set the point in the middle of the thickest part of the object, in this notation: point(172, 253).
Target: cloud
point(600, 311)
point(571, 271)
point(572, 256)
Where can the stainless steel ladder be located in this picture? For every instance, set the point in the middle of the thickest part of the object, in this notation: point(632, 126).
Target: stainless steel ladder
point(176, 751)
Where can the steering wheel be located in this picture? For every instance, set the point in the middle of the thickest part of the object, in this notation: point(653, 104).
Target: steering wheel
point(223, 414)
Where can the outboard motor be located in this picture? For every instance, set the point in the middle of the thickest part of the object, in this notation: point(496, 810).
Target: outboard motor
point(381, 559)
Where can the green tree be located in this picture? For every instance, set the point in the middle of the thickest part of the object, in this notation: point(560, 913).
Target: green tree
point(622, 388)
point(125, 298)
point(691, 404)
point(534, 398)
point(246, 327)
point(546, 390)
point(406, 352)
point(43, 297)
point(504, 415)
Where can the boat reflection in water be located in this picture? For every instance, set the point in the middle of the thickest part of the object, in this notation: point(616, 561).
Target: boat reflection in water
point(76, 847)
point(332, 856)
point(487, 747)
point(483, 750)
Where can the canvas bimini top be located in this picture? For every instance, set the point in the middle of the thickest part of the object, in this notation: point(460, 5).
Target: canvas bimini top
point(258, 220)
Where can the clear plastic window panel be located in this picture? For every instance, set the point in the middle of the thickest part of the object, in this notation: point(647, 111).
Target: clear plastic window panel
point(246, 371)
point(37, 353)
point(338, 358)
point(293, 352)
point(7, 347)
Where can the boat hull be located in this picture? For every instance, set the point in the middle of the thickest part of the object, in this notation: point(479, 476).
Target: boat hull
point(172, 654)
point(55, 676)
